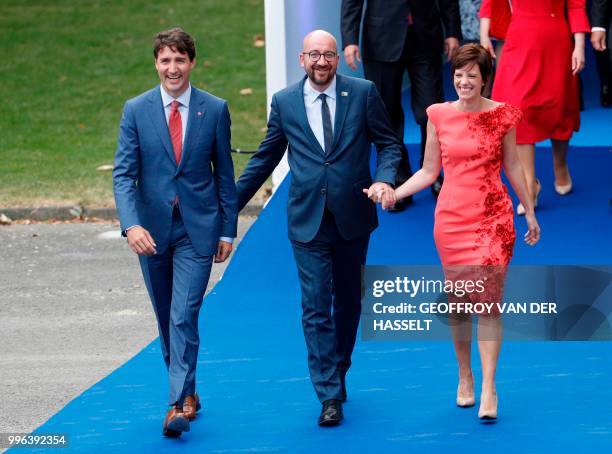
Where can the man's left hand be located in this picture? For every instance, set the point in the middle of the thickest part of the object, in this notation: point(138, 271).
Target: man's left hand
point(223, 251)
point(378, 190)
point(450, 47)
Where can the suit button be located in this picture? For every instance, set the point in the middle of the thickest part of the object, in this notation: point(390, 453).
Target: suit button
point(327, 164)
point(323, 191)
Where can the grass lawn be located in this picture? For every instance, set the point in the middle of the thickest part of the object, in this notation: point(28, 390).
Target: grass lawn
point(69, 66)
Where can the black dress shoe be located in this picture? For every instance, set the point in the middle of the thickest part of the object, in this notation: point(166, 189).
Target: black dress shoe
point(605, 95)
point(331, 414)
point(436, 187)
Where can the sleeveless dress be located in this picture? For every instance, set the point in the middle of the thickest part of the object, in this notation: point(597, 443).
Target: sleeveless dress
point(474, 221)
point(474, 218)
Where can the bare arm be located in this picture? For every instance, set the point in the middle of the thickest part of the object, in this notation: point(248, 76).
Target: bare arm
point(485, 39)
point(516, 177)
point(428, 173)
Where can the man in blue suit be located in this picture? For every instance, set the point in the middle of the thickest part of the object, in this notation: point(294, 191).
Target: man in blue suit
point(328, 121)
point(177, 203)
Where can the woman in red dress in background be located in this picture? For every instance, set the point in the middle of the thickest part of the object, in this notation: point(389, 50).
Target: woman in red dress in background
point(539, 74)
point(474, 222)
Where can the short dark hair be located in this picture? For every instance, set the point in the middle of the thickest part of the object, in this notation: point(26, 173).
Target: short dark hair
point(473, 54)
point(176, 39)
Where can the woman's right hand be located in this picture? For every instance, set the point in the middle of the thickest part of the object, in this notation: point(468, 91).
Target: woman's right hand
point(533, 229)
point(578, 60)
point(486, 42)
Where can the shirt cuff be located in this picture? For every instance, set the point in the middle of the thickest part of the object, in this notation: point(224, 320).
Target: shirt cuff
point(227, 239)
point(597, 29)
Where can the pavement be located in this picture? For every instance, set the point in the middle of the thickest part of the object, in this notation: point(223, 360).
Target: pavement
point(73, 307)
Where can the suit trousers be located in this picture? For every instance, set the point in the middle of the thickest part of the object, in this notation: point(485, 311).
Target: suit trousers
point(176, 281)
point(329, 269)
point(424, 68)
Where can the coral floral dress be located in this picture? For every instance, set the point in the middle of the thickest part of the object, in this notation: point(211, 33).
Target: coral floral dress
point(474, 219)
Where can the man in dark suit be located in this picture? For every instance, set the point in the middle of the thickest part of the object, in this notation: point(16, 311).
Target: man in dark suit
point(400, 36)
point(601, 23)
point(177, 203)
point(328, 121)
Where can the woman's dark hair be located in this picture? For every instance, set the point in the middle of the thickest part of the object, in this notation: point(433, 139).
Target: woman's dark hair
point(473, 54)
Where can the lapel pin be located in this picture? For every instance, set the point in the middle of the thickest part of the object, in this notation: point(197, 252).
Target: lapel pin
point(199, 114)
point(344, 93)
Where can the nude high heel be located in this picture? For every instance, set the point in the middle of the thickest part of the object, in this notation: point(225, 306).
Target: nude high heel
point(465, 399)
point(564, 189)
point(490, 412)
point(520, 209)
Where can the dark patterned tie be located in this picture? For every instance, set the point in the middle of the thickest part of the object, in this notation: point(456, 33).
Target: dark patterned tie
point(328, 135)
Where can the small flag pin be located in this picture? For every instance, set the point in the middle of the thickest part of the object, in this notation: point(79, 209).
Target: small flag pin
point(344, 93)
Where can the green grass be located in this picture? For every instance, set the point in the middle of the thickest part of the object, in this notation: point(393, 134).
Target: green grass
point(68, 66)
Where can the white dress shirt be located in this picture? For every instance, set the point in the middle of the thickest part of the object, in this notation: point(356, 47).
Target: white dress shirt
point(313, 108)
point(183, 106)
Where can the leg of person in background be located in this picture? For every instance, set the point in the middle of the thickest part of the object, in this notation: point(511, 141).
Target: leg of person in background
point(489, 345)
point(604, 70)
point(563, 179)
point(388, 78)
point(526, 154)
point(499, 46)
point(425, 71)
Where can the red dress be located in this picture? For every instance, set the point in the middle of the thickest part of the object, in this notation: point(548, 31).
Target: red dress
point(534, 72)
point(474, 219)
point(500, 13)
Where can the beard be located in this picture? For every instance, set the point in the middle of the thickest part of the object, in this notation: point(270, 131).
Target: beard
point(312, 75)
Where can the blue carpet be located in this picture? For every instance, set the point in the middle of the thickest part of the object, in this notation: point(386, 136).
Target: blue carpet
point(254, 382)
point(252, 372)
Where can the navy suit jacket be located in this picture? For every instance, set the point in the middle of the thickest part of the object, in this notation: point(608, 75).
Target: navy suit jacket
point(318, 179)
point(385, 26)
point(601, 14)
point(147, 179)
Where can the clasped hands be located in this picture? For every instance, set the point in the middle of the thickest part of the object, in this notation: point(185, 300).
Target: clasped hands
point(381, 193)
point(141, 242)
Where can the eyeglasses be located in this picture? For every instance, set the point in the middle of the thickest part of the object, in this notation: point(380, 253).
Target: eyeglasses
point(315, 55)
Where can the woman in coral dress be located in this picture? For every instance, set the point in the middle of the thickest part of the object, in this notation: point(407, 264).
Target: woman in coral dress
point(474, 224)
point(539, 74)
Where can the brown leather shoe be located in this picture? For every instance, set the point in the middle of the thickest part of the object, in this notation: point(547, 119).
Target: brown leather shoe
point(191, 406)
point(175, 423)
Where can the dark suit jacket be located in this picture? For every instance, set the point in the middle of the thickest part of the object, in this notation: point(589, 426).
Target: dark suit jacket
point(318, 179)
point(601, 14)
point(385, 25)
point(147, 180)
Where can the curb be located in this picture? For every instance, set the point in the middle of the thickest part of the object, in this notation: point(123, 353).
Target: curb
point(71, 212)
